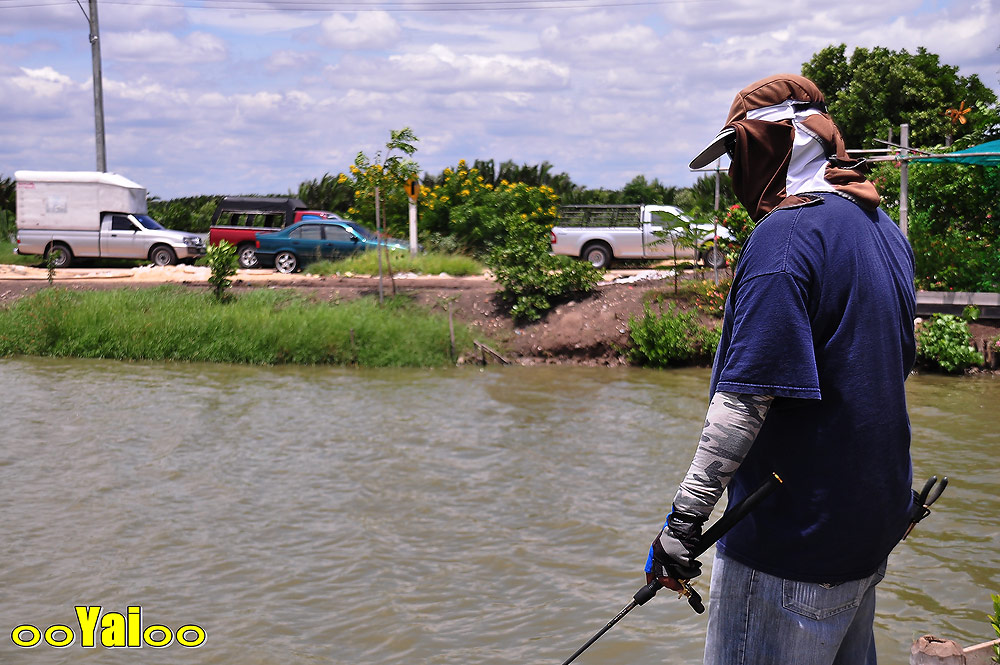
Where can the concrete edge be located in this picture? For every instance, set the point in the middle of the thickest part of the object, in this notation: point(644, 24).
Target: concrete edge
point(958, 298)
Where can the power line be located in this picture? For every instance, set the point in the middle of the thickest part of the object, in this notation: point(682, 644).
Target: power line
point(385, 5)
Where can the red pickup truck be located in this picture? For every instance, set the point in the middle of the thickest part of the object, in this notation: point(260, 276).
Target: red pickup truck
point(238, 220)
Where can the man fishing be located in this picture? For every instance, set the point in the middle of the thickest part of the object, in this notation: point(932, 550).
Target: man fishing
point(808, 383)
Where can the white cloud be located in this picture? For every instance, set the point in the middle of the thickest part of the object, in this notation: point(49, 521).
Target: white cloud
point(289, 60)
point(44, 82)
point(258, 101)
point(441, 69)
point(252, 23)
point(367, 30)
point(139, 14)
point(164, 47)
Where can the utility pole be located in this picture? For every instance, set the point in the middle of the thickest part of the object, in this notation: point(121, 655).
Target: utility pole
point(715, 240)
point(904, 179)
point(95, 54)
point(412, 192)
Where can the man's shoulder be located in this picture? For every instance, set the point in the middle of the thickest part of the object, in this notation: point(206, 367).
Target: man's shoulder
point(793, 238)
point(817, 208)
point(823, 216)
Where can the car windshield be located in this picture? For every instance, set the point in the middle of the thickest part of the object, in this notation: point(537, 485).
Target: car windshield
point(148, 222)
point(362, 231)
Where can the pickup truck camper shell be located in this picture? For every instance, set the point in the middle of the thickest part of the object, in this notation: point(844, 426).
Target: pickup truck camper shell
point(232, 206)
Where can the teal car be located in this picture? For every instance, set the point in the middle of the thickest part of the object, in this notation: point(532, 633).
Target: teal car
point(317, 238)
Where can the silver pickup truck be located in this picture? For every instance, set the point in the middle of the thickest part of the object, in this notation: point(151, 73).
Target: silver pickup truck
point(66, 215)
point(602, 233)
point(120, 236)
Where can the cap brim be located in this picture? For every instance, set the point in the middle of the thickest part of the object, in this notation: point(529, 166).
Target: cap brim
point(714, 150)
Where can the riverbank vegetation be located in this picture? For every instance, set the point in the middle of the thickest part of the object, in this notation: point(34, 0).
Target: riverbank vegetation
point(943, 343)
point(426, 263)
point(499, 215)
point(260, 327)
point(665, 336)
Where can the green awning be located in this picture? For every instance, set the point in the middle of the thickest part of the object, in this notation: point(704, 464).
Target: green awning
point(984, 154)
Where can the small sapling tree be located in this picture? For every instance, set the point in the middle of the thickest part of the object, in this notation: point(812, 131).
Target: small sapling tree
point(222, 259)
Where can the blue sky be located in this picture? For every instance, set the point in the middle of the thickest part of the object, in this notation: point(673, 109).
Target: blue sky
point(248, 96)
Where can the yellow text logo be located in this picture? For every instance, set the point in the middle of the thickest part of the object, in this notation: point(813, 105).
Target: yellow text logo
point(112, 630)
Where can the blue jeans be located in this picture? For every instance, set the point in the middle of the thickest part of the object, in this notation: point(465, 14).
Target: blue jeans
point(759, 619)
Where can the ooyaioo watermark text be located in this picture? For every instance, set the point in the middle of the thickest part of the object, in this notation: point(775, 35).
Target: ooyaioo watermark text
point(112, 630)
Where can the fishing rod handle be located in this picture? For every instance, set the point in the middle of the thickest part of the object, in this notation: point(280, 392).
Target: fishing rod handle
point(643, 595)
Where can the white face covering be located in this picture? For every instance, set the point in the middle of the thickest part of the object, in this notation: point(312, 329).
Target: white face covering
point(807, 167)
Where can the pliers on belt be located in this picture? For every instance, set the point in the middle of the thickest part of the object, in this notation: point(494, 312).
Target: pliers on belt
point(928, 495)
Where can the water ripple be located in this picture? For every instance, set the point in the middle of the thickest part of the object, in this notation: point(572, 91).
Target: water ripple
point(307, 515)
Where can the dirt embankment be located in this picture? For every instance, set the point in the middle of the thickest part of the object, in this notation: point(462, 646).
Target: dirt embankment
point(586, 331)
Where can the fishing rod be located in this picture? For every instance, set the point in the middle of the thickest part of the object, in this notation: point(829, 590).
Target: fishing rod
point(714, 532)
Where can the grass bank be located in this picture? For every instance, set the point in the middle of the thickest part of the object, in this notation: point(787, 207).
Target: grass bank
point(430, 263)
point(259, 327)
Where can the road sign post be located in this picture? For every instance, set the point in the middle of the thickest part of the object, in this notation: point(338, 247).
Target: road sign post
point(413, 191)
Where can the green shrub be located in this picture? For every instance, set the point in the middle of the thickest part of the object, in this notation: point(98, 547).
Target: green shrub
point(533, 280)
point(995, 623)
point(943, 344)
point(670, 338)
point(223, 261)
point(708, 297)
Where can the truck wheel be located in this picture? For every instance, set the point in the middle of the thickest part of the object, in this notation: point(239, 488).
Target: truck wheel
point(286, 262)
point(247, 256)
point(59, 255)
point(713, 258)
point(597, 255)
point(162, 255)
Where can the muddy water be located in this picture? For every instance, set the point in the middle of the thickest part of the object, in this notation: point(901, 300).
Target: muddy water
point(314, 515)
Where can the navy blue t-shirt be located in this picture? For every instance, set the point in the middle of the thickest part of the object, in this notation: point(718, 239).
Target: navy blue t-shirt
point(820, 315)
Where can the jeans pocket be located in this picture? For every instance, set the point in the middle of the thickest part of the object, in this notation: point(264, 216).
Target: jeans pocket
point(818, 601)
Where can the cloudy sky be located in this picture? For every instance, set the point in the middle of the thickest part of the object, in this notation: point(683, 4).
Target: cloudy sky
point(249, 96)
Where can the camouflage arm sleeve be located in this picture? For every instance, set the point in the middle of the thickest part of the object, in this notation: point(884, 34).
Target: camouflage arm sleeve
point(731, 425)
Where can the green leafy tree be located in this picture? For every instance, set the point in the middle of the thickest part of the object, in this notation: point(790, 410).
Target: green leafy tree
point(191, 213)
point(8, 189)
point(536, 175)
point(640, 190)
point(674, 227)
point(378, 176)
point(699, 198)
point(465, 206)
point(333, 193)
point(873, 91)
point(953, 223)
point(462, 206)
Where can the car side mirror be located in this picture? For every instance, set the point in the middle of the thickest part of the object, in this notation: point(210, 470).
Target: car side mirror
point(355, 239)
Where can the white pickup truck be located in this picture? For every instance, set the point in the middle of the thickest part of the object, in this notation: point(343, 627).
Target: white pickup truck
point(66, 215)
point(602, 233)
